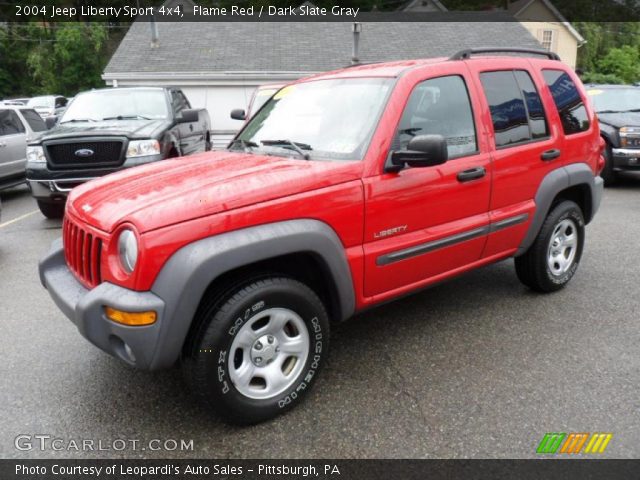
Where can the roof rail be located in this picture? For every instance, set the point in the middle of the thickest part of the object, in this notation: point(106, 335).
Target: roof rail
point(465, 54)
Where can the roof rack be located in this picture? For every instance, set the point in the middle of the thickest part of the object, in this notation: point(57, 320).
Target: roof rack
point(465, 54)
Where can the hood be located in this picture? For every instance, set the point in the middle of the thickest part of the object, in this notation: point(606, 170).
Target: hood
point(173, 191)
point(618, 120)
point(124, 128)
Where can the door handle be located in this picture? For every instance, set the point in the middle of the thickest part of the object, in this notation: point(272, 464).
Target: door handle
point(550, 154)
point(471, 174)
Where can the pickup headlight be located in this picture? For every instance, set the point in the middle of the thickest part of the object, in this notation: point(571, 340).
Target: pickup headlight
point(36, 155)
point(142, 148)
point(128, 250)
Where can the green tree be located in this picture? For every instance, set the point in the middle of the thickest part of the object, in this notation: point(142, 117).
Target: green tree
point(623, 62)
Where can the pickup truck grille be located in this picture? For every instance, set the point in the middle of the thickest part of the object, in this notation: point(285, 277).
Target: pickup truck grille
point(85, 154)
point(82, 252)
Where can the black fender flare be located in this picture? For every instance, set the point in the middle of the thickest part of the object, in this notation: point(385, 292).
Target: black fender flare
point(185, 277)
point(555, 182)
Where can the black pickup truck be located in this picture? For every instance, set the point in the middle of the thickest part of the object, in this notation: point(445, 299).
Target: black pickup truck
point(107, 130)
point(618, 110)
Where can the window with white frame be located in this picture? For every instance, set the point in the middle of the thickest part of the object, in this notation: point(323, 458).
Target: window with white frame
point(547, 39)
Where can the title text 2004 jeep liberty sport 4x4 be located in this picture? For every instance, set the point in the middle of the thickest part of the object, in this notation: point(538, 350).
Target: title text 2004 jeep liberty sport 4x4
point(345, 190)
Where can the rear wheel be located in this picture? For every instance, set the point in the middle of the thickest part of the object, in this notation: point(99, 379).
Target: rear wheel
point(51, 210)
point(553, 259)
point(258, 350)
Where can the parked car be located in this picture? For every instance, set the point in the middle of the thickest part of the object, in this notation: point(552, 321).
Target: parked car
point(18, 125)
point(15, 101)
point(48, 105)
point(110, 129)
point(618, 110)
point(346, 190)
point(259, 97)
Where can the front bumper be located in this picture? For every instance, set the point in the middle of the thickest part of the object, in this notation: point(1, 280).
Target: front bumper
point(85, 308)
point(626, 159)
point(55, 185)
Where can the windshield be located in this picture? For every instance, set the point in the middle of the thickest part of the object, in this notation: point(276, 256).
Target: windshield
point(330, 119)
point(615, 99)
point(41, 102)
point(117, 104)
point(262, 95)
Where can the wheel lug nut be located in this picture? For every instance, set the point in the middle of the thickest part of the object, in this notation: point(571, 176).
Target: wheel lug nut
point(277, 349)
point(270, 339)
point(258, 359)
point(258, 346)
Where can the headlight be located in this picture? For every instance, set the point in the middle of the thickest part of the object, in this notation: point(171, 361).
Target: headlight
point(142, 148)
point(128, 250)
point(36, 155)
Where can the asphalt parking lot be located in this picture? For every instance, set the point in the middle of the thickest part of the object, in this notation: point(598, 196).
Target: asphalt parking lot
point(478, 367)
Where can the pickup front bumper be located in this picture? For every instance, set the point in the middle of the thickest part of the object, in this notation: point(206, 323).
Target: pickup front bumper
point(626, 159)
point(85, 308)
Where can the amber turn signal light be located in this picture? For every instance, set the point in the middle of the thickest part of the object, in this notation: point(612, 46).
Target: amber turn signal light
point(134, 319)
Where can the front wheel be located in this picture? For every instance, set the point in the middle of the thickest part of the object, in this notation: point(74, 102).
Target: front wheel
point(258, 349)
point(608, 174)
point(51, 210)
point(553, 259)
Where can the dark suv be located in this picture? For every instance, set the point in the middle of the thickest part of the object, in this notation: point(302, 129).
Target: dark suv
point(618, 110)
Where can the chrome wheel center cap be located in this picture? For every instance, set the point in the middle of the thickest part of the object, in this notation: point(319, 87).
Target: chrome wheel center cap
point(264, 350)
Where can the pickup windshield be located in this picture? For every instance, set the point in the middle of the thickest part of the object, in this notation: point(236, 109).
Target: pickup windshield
point(322, 119)
point(117, 104)
point(615, 100)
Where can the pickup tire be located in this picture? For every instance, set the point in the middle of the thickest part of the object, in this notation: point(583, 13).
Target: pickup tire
point(51, 210)
point(609, 176)
point(258, 349)
point(553, 259)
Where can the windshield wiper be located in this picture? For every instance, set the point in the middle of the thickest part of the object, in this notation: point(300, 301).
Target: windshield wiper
point(79, 120)
point(128, 117)
point(245, 144)
point(297, 146)
point(610, 111)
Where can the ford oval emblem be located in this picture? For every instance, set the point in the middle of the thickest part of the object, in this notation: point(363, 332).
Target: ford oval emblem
point(84, 152)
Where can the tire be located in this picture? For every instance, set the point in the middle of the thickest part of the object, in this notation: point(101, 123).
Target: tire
point(553, 259)
point(208, 145)
point(258, 349)
point(609, 176)
point(51, 210)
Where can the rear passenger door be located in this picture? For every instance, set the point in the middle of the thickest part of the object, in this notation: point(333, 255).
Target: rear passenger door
point(527, 146)
point(422, 223)
point(13, 144)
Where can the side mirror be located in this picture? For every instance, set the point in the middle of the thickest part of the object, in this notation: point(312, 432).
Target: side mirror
point(422, 151)
point(50, 122)
point(188, 116)
point(238, 114)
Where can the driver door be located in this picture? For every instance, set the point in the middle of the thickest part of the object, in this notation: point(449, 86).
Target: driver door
point(422, 223)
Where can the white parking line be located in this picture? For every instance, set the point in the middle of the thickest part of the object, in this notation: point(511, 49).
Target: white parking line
point(21, 217)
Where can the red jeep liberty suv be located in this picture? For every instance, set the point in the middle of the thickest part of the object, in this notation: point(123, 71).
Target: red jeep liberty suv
point(345, 190)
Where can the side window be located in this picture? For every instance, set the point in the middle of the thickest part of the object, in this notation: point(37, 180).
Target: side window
point(440, 106)
point(573, 113)
point(535, 110)
point(34, 120)
point(10, 124)
point(516, 109)
point(179, 101)
point(61, 102)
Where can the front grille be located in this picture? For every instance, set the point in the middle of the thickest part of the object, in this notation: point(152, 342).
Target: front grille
point(82, 252)
point(77, 154)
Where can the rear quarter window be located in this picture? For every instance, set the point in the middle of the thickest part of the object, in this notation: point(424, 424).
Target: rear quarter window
point(34, 120)
point(573, 113)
